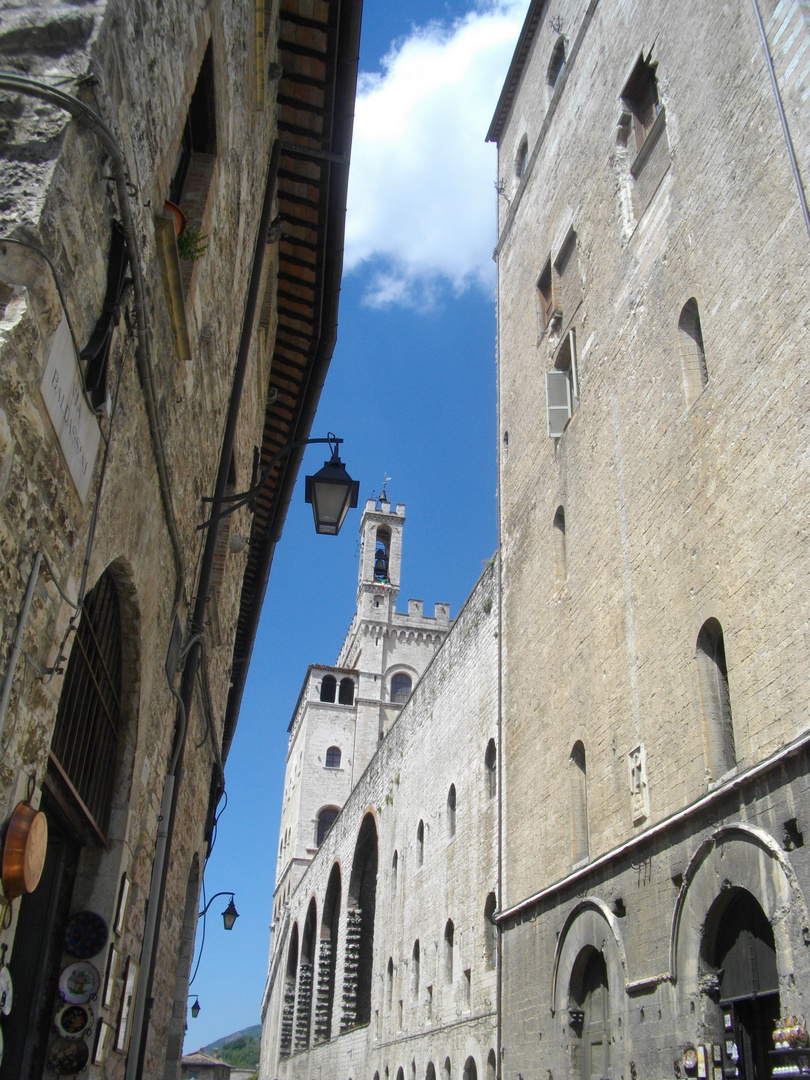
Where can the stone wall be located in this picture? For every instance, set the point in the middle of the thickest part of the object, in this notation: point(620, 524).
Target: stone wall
point(136, 66)
point(674, 497)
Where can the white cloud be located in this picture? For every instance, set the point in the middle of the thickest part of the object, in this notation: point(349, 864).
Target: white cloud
point(421, 210)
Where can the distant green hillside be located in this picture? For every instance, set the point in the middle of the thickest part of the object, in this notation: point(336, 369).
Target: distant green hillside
point(240, 1049)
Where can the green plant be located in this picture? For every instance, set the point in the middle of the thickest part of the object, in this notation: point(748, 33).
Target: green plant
point(192, 242)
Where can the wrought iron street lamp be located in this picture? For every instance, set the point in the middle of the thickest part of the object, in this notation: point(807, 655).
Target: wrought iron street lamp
point(331, 491)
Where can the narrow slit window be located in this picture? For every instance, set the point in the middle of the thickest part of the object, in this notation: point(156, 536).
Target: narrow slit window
point(693, 355)
point(718, 729)
point(560, 555)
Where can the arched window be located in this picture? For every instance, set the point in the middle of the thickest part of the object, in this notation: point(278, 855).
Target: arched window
point(470, 1071)
point(522, 157)
point(718, 731)
point(420, 843)
point(447, 1069)
point(491, 766)
point(328, 688)
point(327, 958)
point(560, 558)
point(693, 356)
point(303, 1012)
point(288, 1007)
point(490, 932)
point(415, 964)
point(451, 810)
point(333, 757)
point(579, 803)
point(400, 687)
point(382, 553)
point(449, 943)
point(430, 1071)
point(394, 871)
point(326, 819)
point(640, 96)
point(362, 904)
point(390, 983)
point(555, 64)
point(346, 694)
point(85, 742)
point(491, 1070)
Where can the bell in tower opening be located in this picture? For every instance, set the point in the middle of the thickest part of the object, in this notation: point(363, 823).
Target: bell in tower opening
point(381, 554)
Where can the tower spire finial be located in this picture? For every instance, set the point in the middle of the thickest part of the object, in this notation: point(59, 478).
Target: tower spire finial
point(383, 495)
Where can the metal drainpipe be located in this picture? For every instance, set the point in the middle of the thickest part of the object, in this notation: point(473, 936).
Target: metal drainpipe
point(160, 873)
point(8, 681)
point(797, 176)
point(87, 116)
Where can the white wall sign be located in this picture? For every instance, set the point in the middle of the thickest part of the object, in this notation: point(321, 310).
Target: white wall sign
point(75, 424)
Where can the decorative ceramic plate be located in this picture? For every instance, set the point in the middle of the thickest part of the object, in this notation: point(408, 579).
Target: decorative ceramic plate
point(85, 935)
point(6, 991)
point(68, 1056)
point(79, 982)
point(73, 1020)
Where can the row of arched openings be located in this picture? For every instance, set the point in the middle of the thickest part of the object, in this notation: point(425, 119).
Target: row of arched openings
point(469, 1072)
point(330, 689)
point(718, 731)
point(309, 1011)
point(491, 780)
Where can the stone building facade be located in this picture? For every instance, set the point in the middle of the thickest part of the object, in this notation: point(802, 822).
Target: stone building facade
point(652, 397)
point(138, 390)
point(382, 958)
point(650, 736)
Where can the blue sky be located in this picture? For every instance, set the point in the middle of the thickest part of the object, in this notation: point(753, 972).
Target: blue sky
point(411, 390)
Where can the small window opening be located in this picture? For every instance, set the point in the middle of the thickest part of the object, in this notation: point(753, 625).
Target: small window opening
point(451, 810)
point(394, 872)
point(420, 843)
point(556, 64)
point(390, 981)
point(640, 96)
point(326, 819)
point(328, 688)
point(333, 757)
point(545, 294)
point(579, 803)
point(415, 965)
point(449, 940)
point(199, 133)
point(400, 688)
point(522, 158)
point(490, 932)
point(560, 561)
point(346, 695)
point(693, 356)
point(562, 389)
point(491, 766)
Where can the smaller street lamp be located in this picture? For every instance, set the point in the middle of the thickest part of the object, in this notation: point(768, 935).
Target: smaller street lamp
point(229, 915)
point(195, 1008)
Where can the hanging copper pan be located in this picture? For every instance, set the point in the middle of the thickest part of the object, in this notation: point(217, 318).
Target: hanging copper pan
point(24, 850)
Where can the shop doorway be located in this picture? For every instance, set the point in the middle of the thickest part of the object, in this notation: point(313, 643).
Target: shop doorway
point(744, 957)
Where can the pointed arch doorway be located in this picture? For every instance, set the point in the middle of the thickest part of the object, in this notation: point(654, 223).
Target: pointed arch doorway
point(739, 946)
